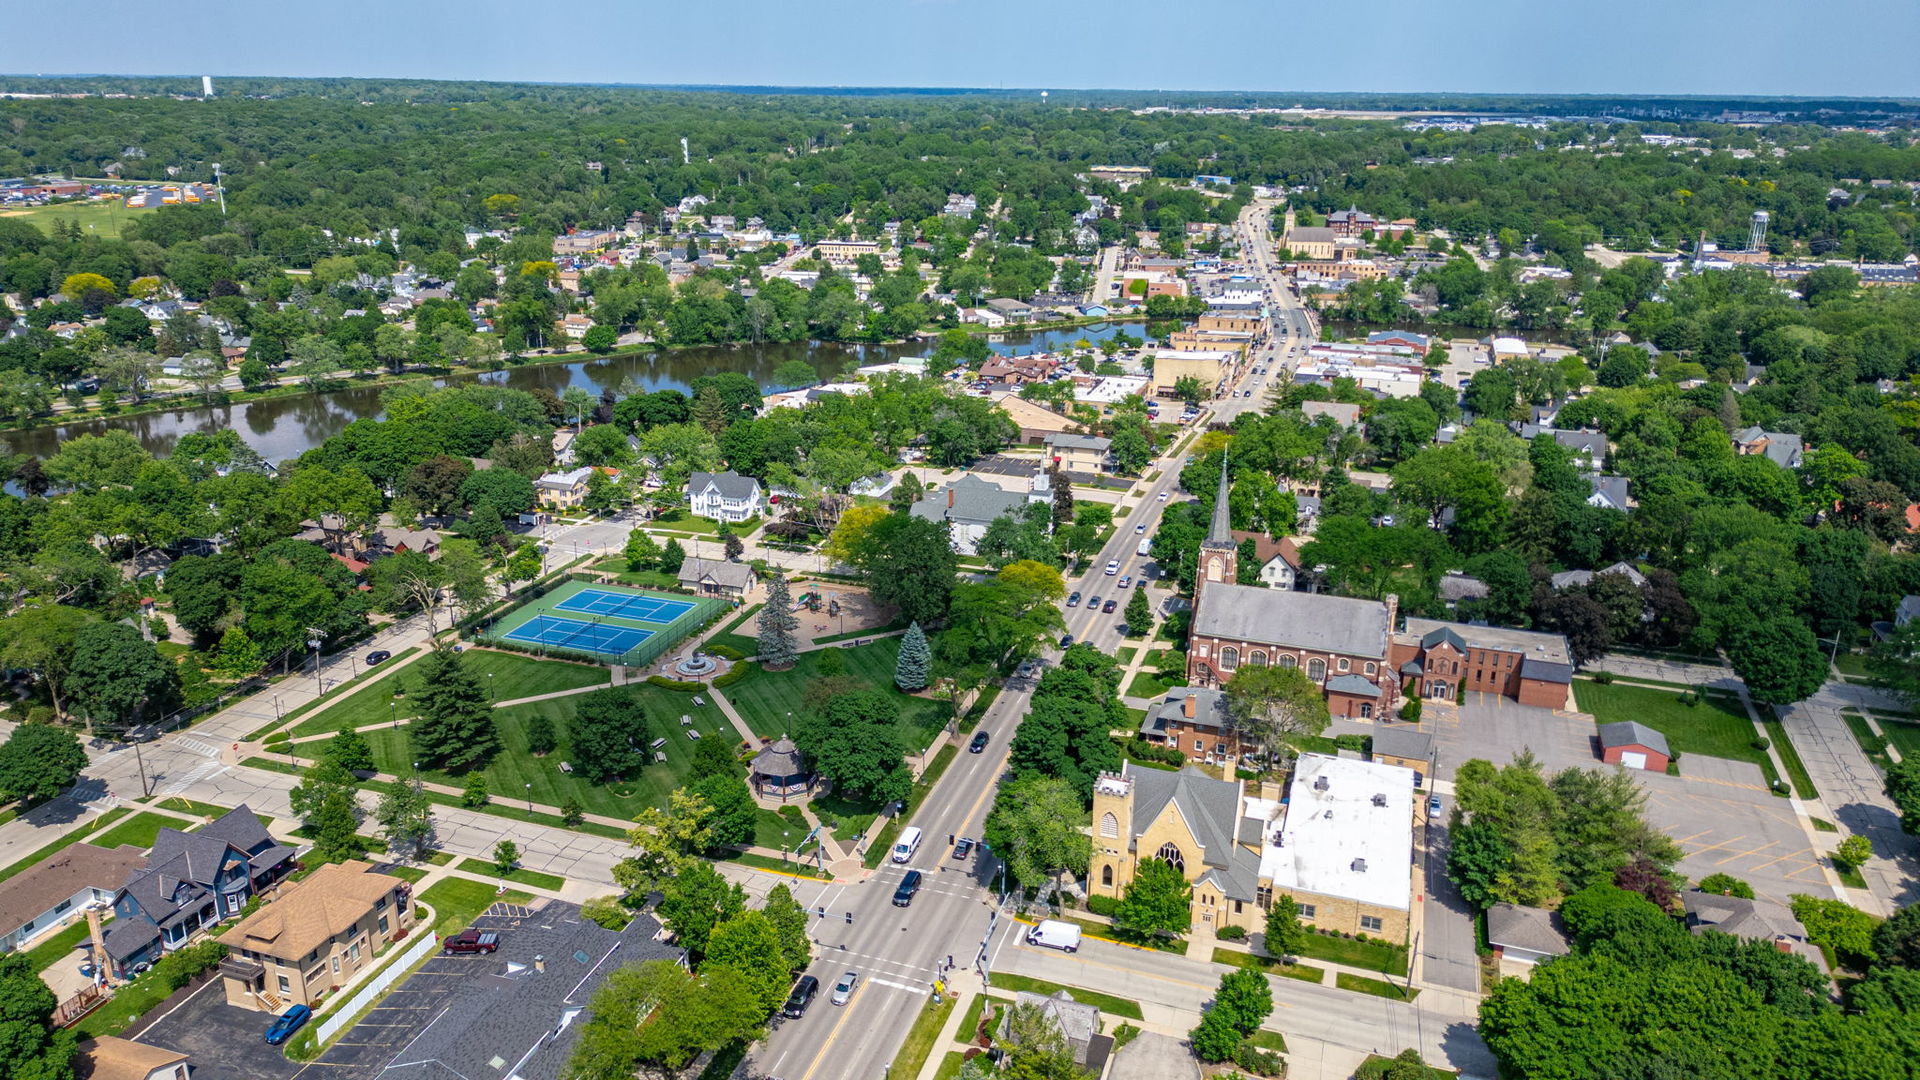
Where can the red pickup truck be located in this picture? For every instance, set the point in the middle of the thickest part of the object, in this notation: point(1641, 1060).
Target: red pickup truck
point(472, 941)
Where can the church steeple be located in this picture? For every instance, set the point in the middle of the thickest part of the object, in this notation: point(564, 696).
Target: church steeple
point(1219, 552)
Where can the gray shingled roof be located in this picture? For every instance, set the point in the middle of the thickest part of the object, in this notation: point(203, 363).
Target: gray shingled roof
point(730, 484)
point(1067, 440)
point(1528, 928)
point(975, 502)
point(1755, 920)
point(1297, 620)
point(1352, 684)
point(1209, 710)
point(37, 889)
point(1633, 733)
point(1211, 808)
point(736, 575)
point(1402, 742)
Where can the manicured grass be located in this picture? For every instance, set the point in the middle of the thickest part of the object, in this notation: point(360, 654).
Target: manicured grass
point(846, 817)
point(1789, 758)
point(1124, 655)
point(138, 831)
point(742, 633)
point(514, 768)
point(59, 946)
point(408, 873)
point(1371, 955)
point(764, 698)
point(1269, 1040)
point(950, 1065)
point(520, 874)
point(102, 218)
point(1904, 736)
point(68, 840)
point(506, 675)
point(1106, 1003)
point(1376, 987)
point(456, 902)
point(129, 1003)
point(339, 693)
point(1109, 932)
point(970, 1020)
point(1823, 825)
point(1849, 876)
point(1710, 729)
point(1303, 972)
point(921, 1037)
point(1148, 684)
point(1852, 663)
point(883, 840)
point(497, 809)
point(800, 868)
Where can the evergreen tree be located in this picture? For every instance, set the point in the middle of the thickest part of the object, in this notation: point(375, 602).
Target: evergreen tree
point(455, 728)
point(540, 736)
point(671, 557)
point(1139, 613)
point(777, 625)
point(913, 668)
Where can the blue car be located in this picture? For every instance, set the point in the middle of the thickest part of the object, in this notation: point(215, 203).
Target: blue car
point(288, 1023)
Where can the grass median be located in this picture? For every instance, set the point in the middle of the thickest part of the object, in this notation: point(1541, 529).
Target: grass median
point(1269, 965)
point(518, 874)
point(883, 840)
point(1106, 1003)
point(1360, 984)
point(920, 1038)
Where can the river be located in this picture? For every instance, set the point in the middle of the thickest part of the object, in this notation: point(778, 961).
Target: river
point(280, 428)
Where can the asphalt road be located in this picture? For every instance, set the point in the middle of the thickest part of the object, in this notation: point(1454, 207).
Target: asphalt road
point(1281, 352)
point(897, 950)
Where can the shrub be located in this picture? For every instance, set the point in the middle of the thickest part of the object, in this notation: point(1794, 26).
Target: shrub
point(725, 652)
point(1231, 933)
point(1260, 1062)
point(1410, 712)
point(1103, 905)
point(608, 912)
point(473, 793)
point(1359, 743)
point(733, 675)
point(685, 686)
point(1762, 743)
point(1603, 677)
point(177, 969)
point(571, 815)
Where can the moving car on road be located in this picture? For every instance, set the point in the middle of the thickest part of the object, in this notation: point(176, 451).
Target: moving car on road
point(802, 996)
point(978, 744)
point(1074, 600)
point(843, 990)
point(378, 656)
point(1113, 567)
point(963, 847)
point(1107, 608)
point(903, 896)
point(1053, 934)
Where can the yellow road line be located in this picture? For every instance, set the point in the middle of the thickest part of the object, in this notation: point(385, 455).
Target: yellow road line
point(838, 1027)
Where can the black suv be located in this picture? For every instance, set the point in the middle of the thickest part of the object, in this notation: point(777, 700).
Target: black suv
point(903, 896)
point(978, 744)
point(802, 996)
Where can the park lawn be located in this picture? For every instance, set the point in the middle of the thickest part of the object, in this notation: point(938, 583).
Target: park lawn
point(847, 817)
point(456, 902)
point(742, 633)
point(519, 873)
point(1709, 729)
point(515, 775)
point(507, 675)
point(765, 698)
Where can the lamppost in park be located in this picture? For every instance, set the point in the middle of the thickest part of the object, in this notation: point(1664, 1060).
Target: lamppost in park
point(529, 801)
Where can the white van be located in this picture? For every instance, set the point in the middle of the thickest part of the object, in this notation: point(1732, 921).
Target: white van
point(1146, 546)
point(1054, 934)
point(908, 844)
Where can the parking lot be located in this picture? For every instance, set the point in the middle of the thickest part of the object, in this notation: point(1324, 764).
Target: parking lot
point(222, 1041)
point(1718, 811)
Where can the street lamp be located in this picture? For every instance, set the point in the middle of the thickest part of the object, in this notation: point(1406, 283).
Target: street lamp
point(393, 712)
point(784, 836)
point(489, 686)
point(529, 801)
point(313, 642)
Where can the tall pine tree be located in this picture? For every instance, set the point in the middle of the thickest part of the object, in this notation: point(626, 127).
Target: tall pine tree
point(914, 666)
point(455, 727)
point(777, 625)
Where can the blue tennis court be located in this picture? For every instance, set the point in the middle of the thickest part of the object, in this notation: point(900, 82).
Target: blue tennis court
point(578, 634)
point(625, 605)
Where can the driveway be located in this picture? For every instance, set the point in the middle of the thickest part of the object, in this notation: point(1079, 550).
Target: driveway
point(225, 1042)
point(1154, 1057)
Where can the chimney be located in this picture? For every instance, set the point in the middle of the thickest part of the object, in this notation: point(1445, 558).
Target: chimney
point(1190, 707)
point(540, 962)
point(949, 496)
point(1393, 611)
point(102, 964)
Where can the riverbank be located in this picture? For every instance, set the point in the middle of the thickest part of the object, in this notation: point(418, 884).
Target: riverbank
point(284, 421)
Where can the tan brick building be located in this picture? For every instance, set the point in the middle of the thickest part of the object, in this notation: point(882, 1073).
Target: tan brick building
point(1341, 844)
point(315, 937)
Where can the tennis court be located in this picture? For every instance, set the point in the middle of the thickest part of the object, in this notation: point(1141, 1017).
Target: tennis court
point(639, 607)
point(578, 634)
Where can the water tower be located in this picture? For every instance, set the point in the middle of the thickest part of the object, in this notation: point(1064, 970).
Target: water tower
point(1757, 235)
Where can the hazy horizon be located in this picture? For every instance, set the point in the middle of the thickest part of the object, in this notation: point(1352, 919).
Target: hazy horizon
point(1755, 48)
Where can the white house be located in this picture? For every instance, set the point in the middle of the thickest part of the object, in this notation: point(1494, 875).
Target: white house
point(726, 496)
point(57, 890)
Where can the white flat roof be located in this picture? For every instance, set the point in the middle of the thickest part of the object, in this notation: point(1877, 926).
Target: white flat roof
point(1337, 842)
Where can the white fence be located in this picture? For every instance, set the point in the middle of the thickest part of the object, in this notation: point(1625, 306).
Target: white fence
point(344, 1011)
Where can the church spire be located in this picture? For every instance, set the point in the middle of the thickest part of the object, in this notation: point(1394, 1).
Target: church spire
point(1221, 531)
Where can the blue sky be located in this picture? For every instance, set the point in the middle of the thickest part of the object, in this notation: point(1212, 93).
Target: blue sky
point(1804, 47)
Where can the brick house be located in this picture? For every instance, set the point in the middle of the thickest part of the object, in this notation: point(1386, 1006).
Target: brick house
point(1438, 659)
point(315, 937)
point(1193, 720)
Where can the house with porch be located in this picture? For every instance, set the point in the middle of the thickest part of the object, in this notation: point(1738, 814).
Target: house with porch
point(725, 496)
point(192, 880)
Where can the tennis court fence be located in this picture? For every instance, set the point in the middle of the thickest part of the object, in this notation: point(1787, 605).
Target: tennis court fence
point(705, 610)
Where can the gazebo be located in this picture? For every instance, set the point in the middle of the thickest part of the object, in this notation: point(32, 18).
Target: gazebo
point(781, 772)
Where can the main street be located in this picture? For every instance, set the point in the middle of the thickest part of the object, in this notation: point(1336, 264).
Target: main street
point(1290, 327)
point(896, 949)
